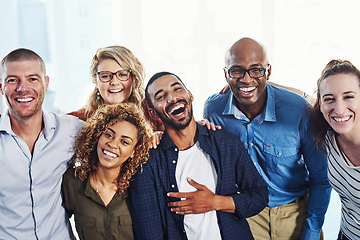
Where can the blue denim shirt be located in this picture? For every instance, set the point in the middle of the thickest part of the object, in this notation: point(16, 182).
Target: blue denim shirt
point(30, 184)
point(237, 177)
point(281, 146)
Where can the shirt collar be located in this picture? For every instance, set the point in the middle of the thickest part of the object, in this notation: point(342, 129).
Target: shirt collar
point(267, 115)
point(5, 122)
point(49, 124)
point(166, 141)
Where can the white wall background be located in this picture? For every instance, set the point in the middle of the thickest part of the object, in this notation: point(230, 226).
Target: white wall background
point(187, 37)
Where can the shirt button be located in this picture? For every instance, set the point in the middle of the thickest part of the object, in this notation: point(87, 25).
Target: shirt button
point(174, 161)
point(173, 186)
point(176, 149)
point(279, 154)
point(251, 144)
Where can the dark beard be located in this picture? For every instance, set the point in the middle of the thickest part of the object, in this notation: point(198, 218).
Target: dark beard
point(174, 124)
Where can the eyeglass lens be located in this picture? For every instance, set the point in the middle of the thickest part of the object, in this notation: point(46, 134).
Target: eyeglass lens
point(106, 76)
point(253, 73)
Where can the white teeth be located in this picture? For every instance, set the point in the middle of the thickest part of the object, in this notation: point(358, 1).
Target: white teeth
point(341, 119)
point(249, 89)
point(110, 154)
point(177, 107)
point(115, 90)
point(24, 99)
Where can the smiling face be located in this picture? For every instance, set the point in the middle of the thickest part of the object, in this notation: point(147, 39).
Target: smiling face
point(116, 144)
point(115, 91)
point(171, 102)
point(340, 102)
point(249, 93)
point(24, 85)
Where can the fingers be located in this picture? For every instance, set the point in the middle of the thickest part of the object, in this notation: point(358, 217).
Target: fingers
point(209, 125)
point(181, 207)
point(195, 184)
point(156, 139)
point(224, 90)
point(179, 194)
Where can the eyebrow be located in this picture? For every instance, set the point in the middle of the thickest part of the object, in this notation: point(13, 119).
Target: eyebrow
point(30, 75)
point(33, 74)
point(124, 136)
point(330, 94)
point(161, 90)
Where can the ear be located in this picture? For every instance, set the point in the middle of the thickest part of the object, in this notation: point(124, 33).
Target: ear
point(225, 74)
point(153, 113)
point(191, 96)
point(46, 83)
point(96, 81)
point(1, 90)
point(269, 73)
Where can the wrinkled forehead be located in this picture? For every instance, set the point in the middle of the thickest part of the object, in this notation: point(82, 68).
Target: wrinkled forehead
point(22, 67)
point(164, 83)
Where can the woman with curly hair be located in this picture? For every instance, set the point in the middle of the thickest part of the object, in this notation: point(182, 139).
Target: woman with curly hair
point(336, 122)
point(110, 148)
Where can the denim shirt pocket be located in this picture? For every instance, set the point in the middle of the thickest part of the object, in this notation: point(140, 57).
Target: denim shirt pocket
point(280, 155)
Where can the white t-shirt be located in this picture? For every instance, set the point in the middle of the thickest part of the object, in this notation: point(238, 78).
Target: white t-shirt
point(196, 164)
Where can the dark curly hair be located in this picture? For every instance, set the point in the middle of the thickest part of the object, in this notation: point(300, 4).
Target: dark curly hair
point(86, 159)
point(320, 125)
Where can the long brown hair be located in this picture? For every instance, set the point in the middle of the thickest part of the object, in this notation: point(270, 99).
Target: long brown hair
point(320, 125)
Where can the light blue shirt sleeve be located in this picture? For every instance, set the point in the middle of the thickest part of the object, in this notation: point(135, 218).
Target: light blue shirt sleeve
point(319, 188)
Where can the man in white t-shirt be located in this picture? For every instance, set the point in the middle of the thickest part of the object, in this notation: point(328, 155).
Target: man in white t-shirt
point(197, 184)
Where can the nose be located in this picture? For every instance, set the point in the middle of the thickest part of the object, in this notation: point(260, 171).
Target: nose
point(22, 86)
point(169, 98)
point(113, 144)
point(114, 81)
point(339, 107)
point(246, 78)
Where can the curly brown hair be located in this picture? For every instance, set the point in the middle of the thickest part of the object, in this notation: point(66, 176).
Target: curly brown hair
point(86, 159)
point(320, 125)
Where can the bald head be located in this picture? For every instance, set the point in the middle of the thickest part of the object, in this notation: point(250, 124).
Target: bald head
point(246, 48)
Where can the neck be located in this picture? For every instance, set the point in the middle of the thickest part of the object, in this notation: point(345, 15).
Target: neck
point(352, 139)
point(185, 138)
point(251, 111)
point(106, 177)
point(27, 129)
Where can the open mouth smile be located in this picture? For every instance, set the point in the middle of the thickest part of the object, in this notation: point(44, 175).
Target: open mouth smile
point(341, 119)
point(110, 154)
point(24, 99)
point(247, 89)
point(115, 90)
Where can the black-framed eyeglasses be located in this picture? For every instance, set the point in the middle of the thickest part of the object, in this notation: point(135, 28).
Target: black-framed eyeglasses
point(238, 73)
point(107, 76)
